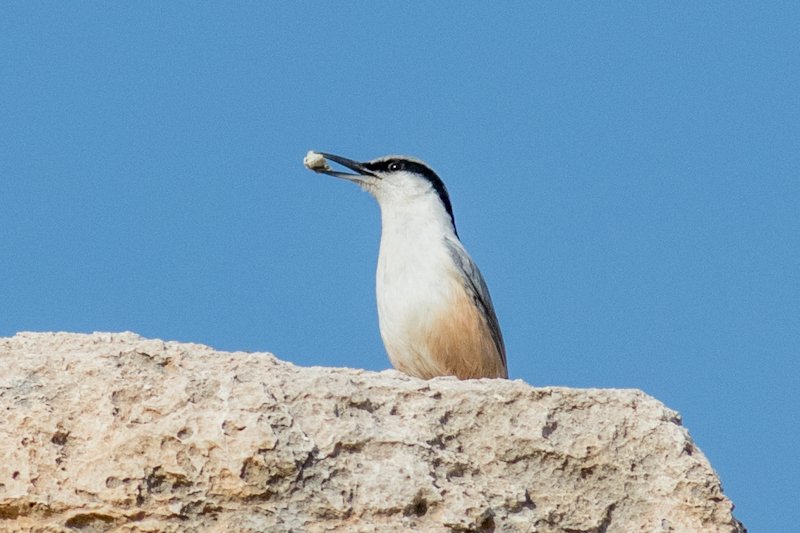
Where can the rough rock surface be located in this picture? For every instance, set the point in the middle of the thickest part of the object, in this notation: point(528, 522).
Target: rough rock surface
point(116, 432)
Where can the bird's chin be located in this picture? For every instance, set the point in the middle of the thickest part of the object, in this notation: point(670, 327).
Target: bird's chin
point(368, 183)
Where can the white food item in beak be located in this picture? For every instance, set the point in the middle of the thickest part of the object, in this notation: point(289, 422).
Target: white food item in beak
point(316, 162)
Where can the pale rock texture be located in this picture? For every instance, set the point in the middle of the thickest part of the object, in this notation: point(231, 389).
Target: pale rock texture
point(114, 432)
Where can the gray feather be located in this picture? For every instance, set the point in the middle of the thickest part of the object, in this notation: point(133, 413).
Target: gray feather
point(476, 287)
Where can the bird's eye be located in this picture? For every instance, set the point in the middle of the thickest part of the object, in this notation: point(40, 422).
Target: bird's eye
point(395, 166)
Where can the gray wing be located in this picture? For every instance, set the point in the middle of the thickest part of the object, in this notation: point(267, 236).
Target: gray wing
point(476, 286)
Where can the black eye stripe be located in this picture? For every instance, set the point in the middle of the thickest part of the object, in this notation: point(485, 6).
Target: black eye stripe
point(396, 165)
point(441, 190)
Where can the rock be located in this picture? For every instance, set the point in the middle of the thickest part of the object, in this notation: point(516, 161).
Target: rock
point(116, 432)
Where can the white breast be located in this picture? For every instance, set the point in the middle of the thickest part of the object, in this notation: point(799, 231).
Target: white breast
point(416, 283)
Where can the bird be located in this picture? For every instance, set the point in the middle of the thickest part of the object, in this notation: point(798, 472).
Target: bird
point(435, 313)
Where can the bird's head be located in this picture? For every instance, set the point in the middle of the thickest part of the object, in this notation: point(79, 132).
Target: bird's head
point(395, 180)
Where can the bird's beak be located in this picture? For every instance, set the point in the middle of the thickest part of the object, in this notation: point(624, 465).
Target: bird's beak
point(359, 168)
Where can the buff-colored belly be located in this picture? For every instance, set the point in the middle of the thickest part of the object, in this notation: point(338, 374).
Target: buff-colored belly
point(454, 340)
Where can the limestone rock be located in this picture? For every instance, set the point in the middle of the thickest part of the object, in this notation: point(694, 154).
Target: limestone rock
point(116, 432)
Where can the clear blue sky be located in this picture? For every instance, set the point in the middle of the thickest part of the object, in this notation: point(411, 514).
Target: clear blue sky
point(626, 176)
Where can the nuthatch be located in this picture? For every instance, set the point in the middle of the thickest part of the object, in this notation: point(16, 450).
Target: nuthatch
point(435, 313)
